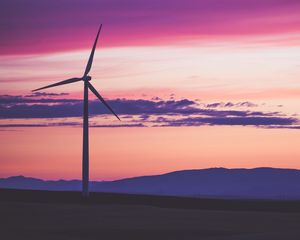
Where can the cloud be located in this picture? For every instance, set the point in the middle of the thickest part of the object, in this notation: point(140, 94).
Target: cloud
point(22, 107)
point(230, 104)
point(140, 112)
point(39, 125)
point(275, 122)
point(117, 125)
point(70, 124)
point(6, 100)
point(45, 94)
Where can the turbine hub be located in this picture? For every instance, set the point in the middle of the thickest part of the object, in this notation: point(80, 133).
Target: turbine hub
point(87, 78)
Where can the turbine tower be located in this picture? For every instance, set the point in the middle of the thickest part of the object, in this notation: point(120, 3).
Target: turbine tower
point(87, 85)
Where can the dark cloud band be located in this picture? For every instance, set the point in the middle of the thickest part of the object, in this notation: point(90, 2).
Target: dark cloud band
point(154, 113)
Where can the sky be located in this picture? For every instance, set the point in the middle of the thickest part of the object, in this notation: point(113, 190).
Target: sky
point(197, 84)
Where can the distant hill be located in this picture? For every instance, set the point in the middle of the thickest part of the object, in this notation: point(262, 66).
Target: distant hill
point(257, 183)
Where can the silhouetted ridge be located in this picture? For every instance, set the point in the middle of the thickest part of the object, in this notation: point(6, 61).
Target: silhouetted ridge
point(263, 183)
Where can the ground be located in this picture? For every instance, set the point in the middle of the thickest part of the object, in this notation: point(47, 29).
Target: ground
point(76, 220)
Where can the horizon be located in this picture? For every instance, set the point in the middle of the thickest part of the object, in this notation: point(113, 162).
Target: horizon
point(256, 183)
point(197, 85)
point(154, 175)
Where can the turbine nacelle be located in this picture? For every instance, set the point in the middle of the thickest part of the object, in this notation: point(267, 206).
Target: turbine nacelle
point(86, 78)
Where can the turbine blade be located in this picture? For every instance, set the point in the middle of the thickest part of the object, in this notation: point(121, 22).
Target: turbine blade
point(71, 80)
point(90, 61)
point(101, 99)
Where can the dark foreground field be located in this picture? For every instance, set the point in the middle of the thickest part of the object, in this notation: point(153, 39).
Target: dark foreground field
point(63, 215)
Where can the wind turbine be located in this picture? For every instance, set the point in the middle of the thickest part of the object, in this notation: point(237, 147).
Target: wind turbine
point(87, 85)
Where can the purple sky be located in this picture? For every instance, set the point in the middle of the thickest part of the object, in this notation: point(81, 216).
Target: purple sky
point(35, 26)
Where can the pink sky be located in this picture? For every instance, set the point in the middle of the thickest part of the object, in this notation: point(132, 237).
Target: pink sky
point(179, 65)
point(35, 26)
point(54, 153)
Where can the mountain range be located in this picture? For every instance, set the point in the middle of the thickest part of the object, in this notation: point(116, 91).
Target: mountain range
point(257, 183)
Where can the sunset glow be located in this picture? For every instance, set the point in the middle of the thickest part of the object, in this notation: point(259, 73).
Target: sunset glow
point(197, 84)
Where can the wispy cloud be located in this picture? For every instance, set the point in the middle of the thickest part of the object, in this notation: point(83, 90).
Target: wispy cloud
point(275, 122)
point(45, 94)
point(72, 124)
point(231, 104)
